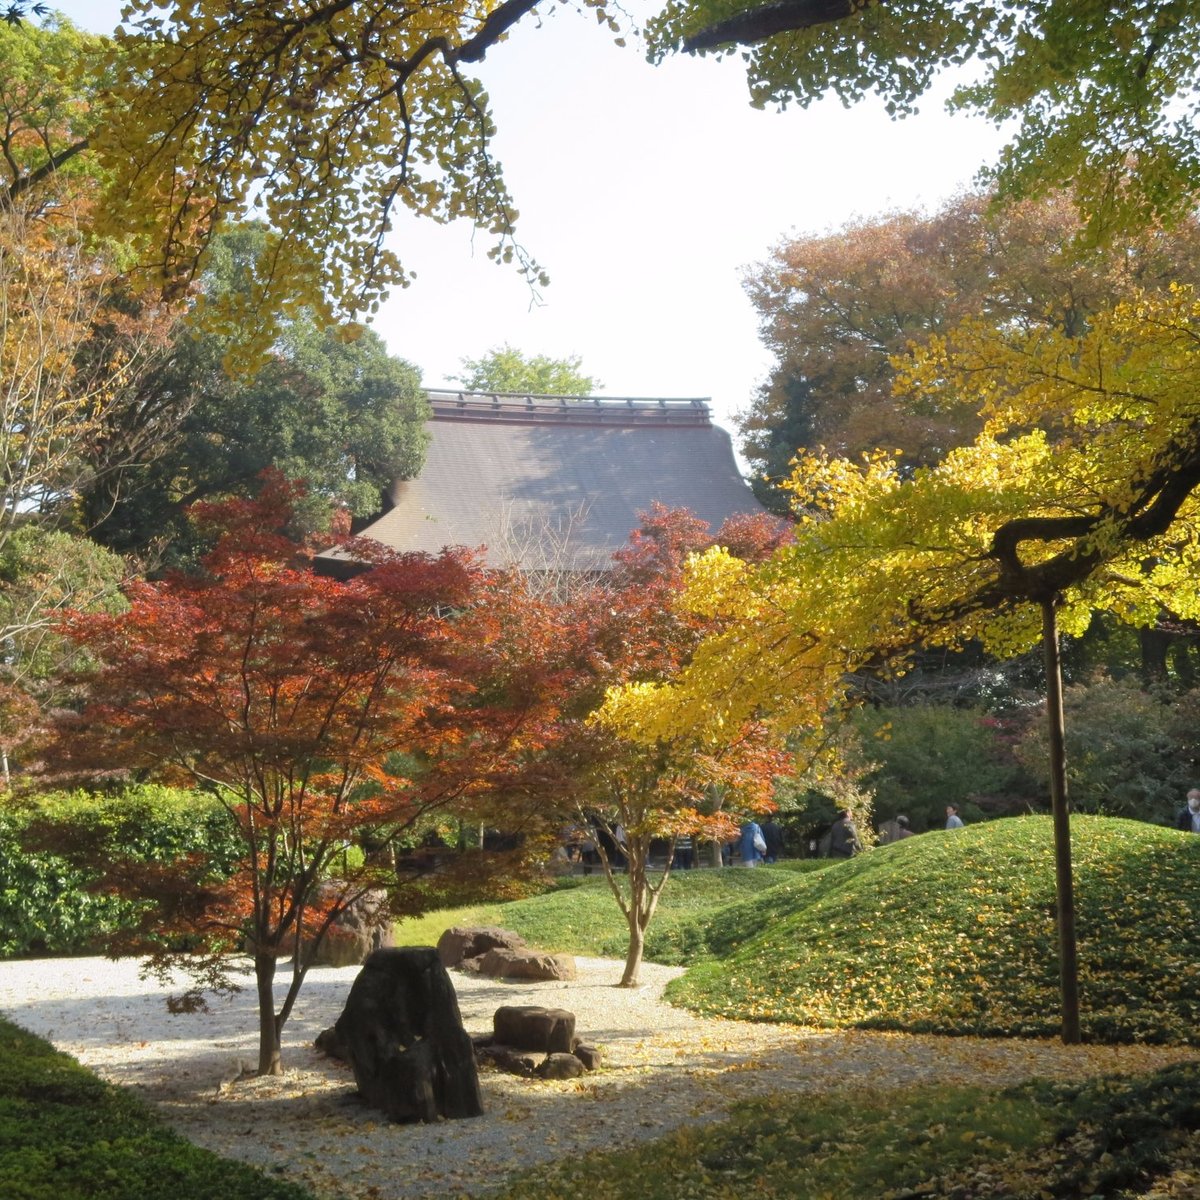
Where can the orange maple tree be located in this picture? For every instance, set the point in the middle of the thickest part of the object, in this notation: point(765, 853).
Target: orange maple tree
point(320, 713)
point(640, 796)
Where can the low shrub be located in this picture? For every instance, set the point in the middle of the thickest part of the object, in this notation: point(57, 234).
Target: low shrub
point(66, 1135)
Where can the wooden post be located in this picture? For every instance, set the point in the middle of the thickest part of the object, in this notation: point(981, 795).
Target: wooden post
point(1068, 964)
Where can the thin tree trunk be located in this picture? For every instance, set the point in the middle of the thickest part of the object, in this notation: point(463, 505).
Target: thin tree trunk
point(268, 1026)
point(637, 854)
point(637, 945)
point(1068, 965)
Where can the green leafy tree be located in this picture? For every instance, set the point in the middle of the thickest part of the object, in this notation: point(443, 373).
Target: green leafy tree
point(1105, 96)
point(42, 573)
point(929, 755)
point(347, 417)
point(505, 369)
point(1125, 753)
point(49, 75)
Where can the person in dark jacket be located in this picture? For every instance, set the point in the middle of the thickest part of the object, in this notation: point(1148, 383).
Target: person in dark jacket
point(772, 833)
point(1188, 817)
point(843, 840)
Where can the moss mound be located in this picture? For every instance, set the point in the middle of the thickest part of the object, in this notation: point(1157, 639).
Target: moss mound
point(955, 933)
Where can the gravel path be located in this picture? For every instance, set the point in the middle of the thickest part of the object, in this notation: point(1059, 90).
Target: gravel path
point(663, 1068)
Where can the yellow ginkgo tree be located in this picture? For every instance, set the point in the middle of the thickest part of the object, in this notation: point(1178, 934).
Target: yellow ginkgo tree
point(1078, 496)
point(323, 120)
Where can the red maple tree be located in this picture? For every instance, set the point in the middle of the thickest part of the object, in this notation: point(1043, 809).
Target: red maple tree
point(321, 713)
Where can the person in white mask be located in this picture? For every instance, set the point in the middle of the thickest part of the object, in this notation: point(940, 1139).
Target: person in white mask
point(1188, 817)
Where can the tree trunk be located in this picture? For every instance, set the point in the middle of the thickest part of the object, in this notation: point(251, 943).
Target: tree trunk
point(1068, 966)
point(637, 854)
point(268, 1027)
point(637, 944)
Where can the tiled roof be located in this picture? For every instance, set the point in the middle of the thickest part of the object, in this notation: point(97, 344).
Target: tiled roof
point(557, 482)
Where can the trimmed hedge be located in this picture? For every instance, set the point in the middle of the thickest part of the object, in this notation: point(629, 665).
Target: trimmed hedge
point(46, 906)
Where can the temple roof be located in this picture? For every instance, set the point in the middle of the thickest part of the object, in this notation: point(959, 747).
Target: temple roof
point(557, 482)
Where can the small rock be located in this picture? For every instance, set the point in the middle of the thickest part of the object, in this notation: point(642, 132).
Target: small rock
point(328, 1042)
point(560, 1066)
point(588, 1055)
point(505, 1058)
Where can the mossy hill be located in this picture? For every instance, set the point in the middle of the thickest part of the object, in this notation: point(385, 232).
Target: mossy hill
point(954, 932)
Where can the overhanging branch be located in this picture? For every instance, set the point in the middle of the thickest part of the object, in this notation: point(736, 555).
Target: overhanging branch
point(758, 24)
point(1156, 504)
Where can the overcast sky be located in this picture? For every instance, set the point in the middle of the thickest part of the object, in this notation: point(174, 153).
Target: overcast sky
point(645, 192)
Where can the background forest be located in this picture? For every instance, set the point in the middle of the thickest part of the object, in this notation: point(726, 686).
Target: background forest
point(122, 412)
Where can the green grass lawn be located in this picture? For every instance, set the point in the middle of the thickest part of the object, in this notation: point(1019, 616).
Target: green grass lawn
point(580, 915)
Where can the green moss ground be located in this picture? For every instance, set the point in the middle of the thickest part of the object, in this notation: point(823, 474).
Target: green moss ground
point(66, 1135)
point(1109, 1139)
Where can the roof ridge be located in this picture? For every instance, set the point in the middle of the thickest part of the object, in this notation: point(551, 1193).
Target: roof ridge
point(533, 408)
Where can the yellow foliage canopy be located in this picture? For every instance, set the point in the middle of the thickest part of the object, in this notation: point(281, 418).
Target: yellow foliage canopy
point(1079, 491)
point(322, 119)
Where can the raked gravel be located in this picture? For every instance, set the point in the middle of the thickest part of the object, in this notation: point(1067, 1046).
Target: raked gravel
point(663, 1067)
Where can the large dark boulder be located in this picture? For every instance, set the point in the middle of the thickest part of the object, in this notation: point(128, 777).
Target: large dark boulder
point(402, 1033)
point(465, 945)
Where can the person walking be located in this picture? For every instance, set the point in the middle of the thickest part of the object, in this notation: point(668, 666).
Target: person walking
point(752, 843)
point(772, 832)
point(843, 838)
point(685, 852)
point(953, 820)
